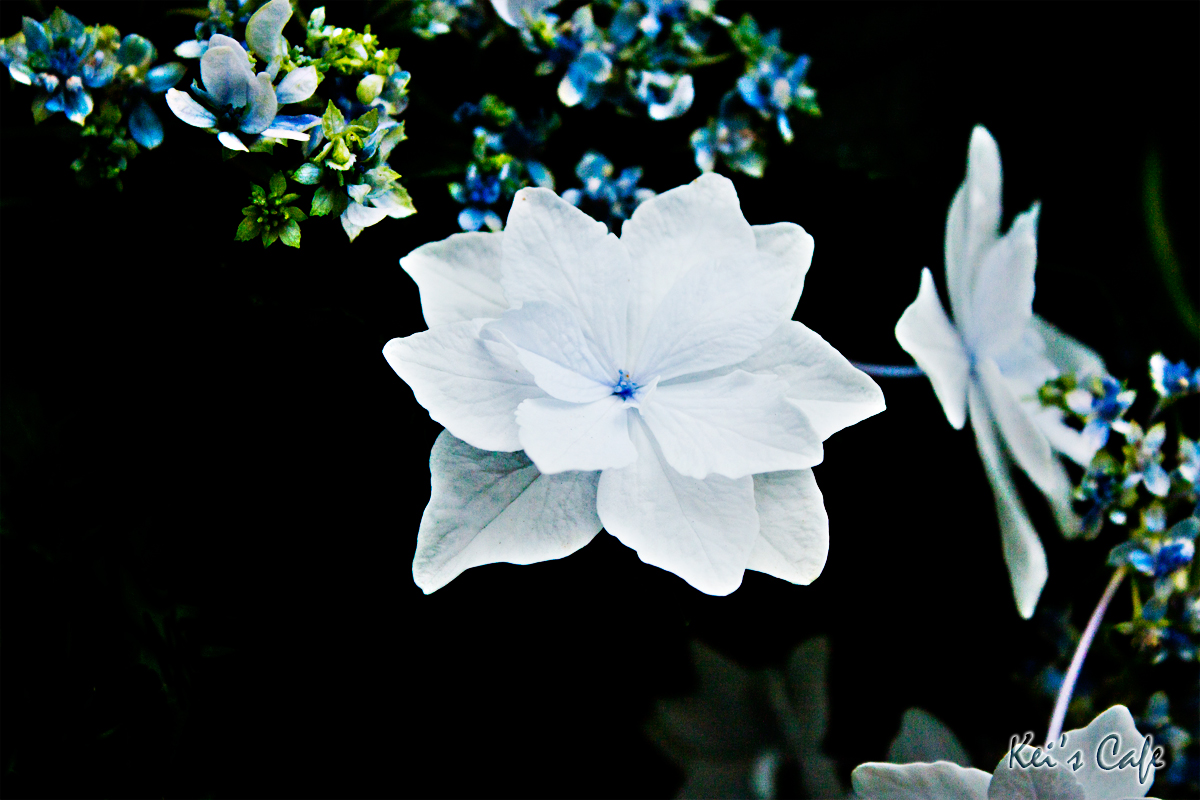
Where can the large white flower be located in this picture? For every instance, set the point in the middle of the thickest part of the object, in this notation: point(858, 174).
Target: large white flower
point(994, 356)
point(653, 384)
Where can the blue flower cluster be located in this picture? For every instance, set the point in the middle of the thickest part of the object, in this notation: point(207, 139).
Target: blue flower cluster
point(611, 200)
point(68, 62)
point(1173, 380)
point(504, 159)
point(345, 160)
point(772, 86)
point(639, 62)
point(432, 18)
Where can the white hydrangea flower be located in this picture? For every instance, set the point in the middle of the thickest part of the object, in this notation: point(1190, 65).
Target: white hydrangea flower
point(993, 357)
point(1101, 747)
point(653, 384)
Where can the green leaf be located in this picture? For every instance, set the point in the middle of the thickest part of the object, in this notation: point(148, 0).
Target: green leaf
point(278, 184)
point(269, 237)
point(257, 192)
point(290, 235)
point(295, 213)
point(401, 195)
point(382, 175)
point(341, 201)
point(288, 198)
point(250, 211)
point(266, 144)
point(367, 123)
point(333, 122)
point(247, 230)
point(322, 202)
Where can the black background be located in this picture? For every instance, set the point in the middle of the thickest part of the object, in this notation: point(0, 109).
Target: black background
point(212, 480)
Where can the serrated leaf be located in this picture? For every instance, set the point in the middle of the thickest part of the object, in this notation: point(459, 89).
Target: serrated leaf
point(278, 184)
point(295, 213)
point(332, 123)
point(322, 202)
point(247, 230)
point(269, 237)
point(290, 235)
point(367, 123)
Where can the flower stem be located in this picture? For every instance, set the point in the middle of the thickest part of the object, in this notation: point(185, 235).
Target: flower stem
point(885, 371)
point(1085, 642)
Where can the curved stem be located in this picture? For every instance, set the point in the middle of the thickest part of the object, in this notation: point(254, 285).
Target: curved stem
point(886, 371)
point(1085, 642)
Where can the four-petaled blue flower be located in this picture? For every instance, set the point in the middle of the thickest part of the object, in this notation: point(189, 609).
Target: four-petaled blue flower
point(60, 57)
point(1102, 409)
point(666, 96)
point(1173, 379)
point(1144, 457)
point(587, 49)
point(732, 137)
point(773, 86)
point(477, 193)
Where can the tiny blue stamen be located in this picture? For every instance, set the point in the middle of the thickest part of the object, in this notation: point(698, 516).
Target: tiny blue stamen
point(624, 387)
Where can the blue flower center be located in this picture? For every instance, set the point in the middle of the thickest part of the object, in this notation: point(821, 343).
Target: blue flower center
point(624, 387)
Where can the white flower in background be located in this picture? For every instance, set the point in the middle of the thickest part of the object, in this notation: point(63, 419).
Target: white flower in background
point(518, 13)
point(653, 384)
point(994, 356)
point(1096, 777)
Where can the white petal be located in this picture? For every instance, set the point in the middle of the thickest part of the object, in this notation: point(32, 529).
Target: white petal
point(363, 216)
point(285, 133)
point(260, 97)
point(926, 334)
point(717, 314)
point(231, 140)
point(188, 110)
point(550, 343)
point(226, 74)
point(1002, 298)
point(489, 507)
point(1063, 438)
point(1111, 784)
point(672, 233)
point(702, 531)
point(471, 390)
point(1066, 353)
point(1027, 444)
point(191, 49)
point(1023, 551)
point(297, 85)
point(459, 278)
point(831, 392)
point(940, 780)
point(554, 252)
point(794, 246)
point(973, 223)
point(793, 528)
point(264, 29)
point(735, 425)
point(513, 11)
point(562, 436)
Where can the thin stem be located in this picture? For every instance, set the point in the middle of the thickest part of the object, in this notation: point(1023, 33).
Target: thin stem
point(885, 371)
point(1085, 642)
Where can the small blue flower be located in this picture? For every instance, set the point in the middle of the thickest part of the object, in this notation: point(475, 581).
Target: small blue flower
point(666, 96)
point(613, 200)
point(1102, 404)
point(587, 50)
point(1143, 459)
point(1189, 460)
point(60, 57)
point(1173, 380)
point(477, 192)
point(731, 138)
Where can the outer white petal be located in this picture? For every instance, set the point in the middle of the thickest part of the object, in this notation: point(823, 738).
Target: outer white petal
point(793, 528)
point(513, 11)
point(459, 278)
point(1063, 438)
point(973, 223)
point(926, 334)
point(1023, 551)
point(226, 74)
point(188, 110)
point(230, 139)
point(263, 105)
point(940, 780)
point(487, 507)
point(297, 85)
point(831, 392)
point(363, 216)
point(794, 246)
point(550, 343)
point(285, 133)
point(1067, 353)
point(1002, 298)
point(562, 436)
point(703, 531)
point(1027, 444)
point(719, 313)
point(191, 49)
point(555, 253)
point(735, 425)
point(672, 233)
point(472, 390)
point(1112, 784)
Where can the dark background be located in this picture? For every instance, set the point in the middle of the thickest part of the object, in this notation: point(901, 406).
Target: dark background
point(212, 480)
